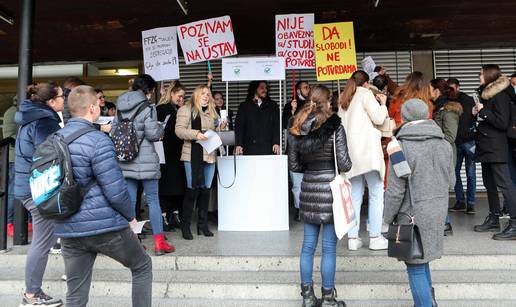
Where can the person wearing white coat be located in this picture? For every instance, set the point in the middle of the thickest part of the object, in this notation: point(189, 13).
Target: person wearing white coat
point(360, 111)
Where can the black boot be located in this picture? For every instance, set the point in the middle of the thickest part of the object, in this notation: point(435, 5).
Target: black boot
point(174, 221)
point(509, 233)
point(202, 223)
point(188, 205)
point(491, 223)
point(434, 302)
point(297, 216)
point(448, 230)
point(329, 298)
point(309, 298)
point(470, 209)
point(459, 207)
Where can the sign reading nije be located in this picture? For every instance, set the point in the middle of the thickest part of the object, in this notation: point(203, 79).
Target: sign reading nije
point(206, 40)
point(160, 53)
point(335, 55)
point(295, 40)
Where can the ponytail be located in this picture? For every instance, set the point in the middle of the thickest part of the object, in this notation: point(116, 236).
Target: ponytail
point(358, 78)
point(42, 92)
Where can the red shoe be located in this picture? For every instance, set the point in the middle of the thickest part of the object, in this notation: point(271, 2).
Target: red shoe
point(161, 246)
point(30, 227)
point(10, 230)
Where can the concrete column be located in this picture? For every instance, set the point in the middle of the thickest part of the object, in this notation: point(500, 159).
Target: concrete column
point(423, 61)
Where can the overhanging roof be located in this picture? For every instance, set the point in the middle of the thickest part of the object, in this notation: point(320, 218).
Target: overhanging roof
point(109, 30)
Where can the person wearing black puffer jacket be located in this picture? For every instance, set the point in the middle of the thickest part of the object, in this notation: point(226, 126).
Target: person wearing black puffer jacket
point(313, 132)
point(493, 117)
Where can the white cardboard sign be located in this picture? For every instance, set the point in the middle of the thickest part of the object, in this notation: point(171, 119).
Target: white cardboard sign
point(206, 40)
point(253, 68)
point(295, 40)
point(160, 53)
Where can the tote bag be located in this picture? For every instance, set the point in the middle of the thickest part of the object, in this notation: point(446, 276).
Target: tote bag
point(344, 217)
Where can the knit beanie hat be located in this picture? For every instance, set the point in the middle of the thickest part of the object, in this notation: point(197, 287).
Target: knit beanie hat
point(414, 109)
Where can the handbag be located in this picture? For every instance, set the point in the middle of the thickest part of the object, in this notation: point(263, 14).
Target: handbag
point(344, 217)
point(387, 127)
point(405, 239)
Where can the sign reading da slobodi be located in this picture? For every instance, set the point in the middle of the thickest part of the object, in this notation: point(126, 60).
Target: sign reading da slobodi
point(253, 68)
point(160, 53)
point(335, 55)
point(206, 40)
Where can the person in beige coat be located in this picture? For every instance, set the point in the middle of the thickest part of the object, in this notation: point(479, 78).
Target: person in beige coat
point(360, 111)
point(193, 119)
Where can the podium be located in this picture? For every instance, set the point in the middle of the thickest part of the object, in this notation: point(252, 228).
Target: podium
point(258, 200)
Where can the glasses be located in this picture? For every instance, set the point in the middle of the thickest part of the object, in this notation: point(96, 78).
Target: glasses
point(102, 97)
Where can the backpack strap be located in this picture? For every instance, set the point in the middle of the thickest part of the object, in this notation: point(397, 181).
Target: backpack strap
point(72, 137)
point(144, 105)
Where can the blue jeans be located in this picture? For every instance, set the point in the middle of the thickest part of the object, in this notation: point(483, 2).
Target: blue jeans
point(375, 186)
point(208, 171)
point(329, 254)
point(10, 195)
point(420, 282)
point(296, 186)
point(464, 152)
point(150, 187)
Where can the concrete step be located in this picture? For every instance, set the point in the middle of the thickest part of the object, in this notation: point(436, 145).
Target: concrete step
point(450, 285)
point(287, 263)
point(13, 301)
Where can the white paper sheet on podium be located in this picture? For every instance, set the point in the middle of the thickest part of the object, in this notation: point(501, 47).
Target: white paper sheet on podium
point(139, 227)
point(160, 150)
point(213, 141)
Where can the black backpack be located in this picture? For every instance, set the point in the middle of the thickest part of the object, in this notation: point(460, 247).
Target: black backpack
point(125, 138)
point(55, 193)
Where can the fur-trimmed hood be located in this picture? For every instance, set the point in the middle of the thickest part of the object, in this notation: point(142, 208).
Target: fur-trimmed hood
point(495, 87)
point(452, 106)
point(317, 137)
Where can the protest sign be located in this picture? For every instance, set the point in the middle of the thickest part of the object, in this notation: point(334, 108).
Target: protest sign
point(295, 40)
point(368, 65)
point(253, 68)
point(206, 40)
point(160, 53)
point(335, 55)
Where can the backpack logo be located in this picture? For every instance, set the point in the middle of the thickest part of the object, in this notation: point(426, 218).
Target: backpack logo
point(43, 185)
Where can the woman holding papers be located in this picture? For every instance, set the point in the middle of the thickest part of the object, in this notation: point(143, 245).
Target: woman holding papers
point(172, 184)
point(193, 120)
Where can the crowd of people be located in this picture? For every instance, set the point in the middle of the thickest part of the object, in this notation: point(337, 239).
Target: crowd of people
point(437, 126)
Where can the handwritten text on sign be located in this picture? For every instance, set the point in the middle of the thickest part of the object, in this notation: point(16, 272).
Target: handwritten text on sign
point(335, 54)
point(208, 39)
point(295, 40)
point(160, 53)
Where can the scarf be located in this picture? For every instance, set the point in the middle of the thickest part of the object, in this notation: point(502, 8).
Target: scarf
point(197, 154)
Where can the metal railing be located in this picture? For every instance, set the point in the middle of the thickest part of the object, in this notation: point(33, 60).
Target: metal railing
point(4, 188)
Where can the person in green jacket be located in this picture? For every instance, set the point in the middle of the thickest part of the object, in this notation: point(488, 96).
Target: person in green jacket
point(9, 130)
point(446, 114)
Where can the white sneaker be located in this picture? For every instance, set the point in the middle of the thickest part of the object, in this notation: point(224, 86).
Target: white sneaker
point(378, 243)
point(354, 244)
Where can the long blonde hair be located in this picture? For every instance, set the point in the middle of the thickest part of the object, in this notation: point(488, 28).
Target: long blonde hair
point(195, 102)
point(174, 87)
point(319, 105)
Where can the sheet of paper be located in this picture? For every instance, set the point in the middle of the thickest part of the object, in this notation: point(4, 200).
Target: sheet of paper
point(158, 146)
point(369, 65)
point(213, 141)
point(139, 227)
point(103, 120)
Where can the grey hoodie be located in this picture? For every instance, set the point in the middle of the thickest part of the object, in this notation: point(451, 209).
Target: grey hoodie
point(429, 156)
point(148, 130)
